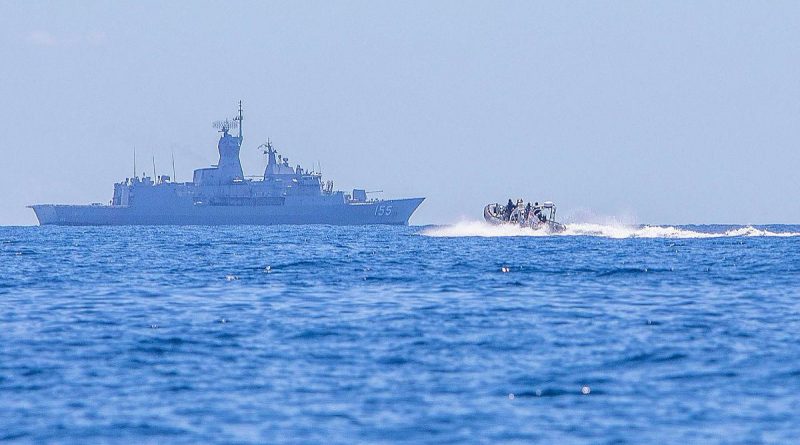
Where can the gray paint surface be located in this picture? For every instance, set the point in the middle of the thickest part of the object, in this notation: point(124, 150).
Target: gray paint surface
point(222, 195)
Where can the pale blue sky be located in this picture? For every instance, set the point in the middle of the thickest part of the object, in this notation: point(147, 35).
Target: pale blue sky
point(658, 112)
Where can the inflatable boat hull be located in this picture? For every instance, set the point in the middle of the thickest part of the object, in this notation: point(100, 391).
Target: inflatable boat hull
point(491, 216)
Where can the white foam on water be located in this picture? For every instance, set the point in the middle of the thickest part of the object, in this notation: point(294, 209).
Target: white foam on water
point(483, 229)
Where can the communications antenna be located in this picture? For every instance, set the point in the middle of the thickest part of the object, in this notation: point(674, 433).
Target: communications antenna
point(238, 119)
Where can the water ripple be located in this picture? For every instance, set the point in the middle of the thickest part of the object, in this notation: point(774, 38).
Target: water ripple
point(383, 335)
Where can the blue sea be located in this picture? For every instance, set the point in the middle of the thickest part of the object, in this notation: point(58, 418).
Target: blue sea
point(421, 335)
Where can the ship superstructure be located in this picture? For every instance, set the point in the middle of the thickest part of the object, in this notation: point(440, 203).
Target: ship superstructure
point(222, 194)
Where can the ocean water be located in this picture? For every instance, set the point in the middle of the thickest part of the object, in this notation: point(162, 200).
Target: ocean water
point(454, 334)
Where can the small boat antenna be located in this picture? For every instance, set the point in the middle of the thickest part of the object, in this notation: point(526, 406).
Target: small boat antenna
point(134, 162)
point(174, 177)
point(154, 167)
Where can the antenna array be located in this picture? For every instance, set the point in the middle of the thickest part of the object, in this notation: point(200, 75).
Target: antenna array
point(227, 124)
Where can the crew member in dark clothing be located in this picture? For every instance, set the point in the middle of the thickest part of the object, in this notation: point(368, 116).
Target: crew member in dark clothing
point(509, 209)
point(527, 211)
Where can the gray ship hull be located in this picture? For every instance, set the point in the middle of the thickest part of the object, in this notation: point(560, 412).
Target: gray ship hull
point(390, 211)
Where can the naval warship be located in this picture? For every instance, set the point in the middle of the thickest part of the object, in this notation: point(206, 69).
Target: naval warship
point(223, 195)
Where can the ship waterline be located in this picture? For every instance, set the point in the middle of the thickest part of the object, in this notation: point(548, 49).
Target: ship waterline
point(222, 195)
point(389, 211)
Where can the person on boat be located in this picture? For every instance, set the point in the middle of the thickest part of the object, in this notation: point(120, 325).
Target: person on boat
point(509, 209)
point(537, 212)
point(527, 211)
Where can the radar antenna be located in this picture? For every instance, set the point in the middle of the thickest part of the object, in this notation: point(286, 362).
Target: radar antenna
point(266, 147)
point(226, 125)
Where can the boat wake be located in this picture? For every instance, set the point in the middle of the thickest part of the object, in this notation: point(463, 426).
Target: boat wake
point(482, 229)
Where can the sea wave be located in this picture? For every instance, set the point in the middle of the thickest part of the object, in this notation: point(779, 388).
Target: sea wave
point(483, 229)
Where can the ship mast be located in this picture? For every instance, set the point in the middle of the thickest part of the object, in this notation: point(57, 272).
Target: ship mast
point(239, 118)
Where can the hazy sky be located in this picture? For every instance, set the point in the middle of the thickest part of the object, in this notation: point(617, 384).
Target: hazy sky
point(655, 112)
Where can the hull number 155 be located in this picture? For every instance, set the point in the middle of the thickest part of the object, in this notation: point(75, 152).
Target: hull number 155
point(383, 210)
